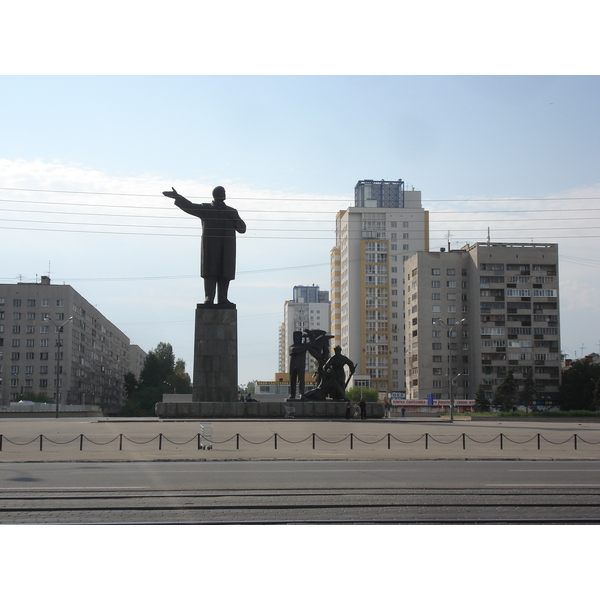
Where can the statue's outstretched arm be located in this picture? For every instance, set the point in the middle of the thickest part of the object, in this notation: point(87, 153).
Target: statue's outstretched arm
point(174, 195)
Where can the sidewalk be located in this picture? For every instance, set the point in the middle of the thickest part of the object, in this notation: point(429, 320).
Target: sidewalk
point(388, 439)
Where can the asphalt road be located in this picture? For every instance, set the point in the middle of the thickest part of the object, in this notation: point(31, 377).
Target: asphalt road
point(302, 492)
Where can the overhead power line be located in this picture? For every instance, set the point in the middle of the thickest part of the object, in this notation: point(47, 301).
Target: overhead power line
point(273, 199)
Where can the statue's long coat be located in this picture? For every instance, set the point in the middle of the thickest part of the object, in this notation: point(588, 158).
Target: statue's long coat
point(219, 224)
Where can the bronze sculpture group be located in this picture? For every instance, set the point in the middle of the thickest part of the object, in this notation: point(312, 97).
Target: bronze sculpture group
point(331, 381)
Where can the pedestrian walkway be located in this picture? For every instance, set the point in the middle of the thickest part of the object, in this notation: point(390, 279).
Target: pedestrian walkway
point(41, 440)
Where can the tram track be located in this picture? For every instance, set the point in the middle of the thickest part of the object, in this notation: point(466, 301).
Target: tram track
point(272, 506)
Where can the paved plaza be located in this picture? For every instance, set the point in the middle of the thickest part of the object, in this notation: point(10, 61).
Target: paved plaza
point(43, 440)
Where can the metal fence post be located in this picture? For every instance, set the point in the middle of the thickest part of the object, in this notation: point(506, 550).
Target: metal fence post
point(463, 436)
point(0, 442)
point(237, 441)
point(199, 444)
point(160, 441)
point(80, 442)
point(275, 438)
point(41, 436)
point(538, 438)
point(351, 441)
point(389, 440)
point(501, 445)
point(426, 441)
point(314, 436)
point(574, 441)
point(120, 441)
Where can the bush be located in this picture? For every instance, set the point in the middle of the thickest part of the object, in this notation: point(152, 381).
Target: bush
point(368, 394)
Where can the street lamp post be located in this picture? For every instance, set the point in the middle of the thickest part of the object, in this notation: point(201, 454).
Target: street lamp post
point(58, 347)
point(450, 380)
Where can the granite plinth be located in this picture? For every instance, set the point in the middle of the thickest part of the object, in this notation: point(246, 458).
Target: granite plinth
point(258, 410)
point(215, 355)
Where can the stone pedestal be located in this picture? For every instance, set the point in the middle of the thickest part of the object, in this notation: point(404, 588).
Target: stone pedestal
point(215, 355)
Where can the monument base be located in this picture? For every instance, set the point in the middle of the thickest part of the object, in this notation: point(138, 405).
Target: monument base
point(260, 410)
point(215, 355)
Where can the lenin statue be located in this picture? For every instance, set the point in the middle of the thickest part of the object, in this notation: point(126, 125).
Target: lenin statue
point(219, 225)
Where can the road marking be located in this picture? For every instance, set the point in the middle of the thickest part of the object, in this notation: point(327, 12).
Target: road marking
point(543, 485)
point(67, 488)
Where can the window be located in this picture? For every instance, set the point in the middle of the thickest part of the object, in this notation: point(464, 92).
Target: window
point(451, 272)
point(435, 283)
point(436, 296)
point(435, 271)
point(436, 346)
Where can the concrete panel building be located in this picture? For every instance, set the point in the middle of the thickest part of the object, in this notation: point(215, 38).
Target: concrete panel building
point(94, 353)
point(474, 314)
point(374, 238)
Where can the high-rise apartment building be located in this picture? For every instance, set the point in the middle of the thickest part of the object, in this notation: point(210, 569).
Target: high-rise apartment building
point(474, 314)
point(94, 354)
point(373, 240)
point(308, 309)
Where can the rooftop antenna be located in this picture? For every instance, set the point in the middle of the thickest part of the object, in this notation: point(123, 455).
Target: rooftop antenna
point(488, 235)
point(448, 236)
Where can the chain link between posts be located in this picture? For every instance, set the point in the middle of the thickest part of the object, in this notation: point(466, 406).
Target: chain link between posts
point(276, 439)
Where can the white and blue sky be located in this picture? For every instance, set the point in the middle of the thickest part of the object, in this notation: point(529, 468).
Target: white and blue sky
point(84, 159)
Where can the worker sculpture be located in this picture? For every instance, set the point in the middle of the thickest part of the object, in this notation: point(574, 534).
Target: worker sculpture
point(219, 225)
point(297, 364)
point(334, 382)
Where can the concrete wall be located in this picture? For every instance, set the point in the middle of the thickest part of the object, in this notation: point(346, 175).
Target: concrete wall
point(259, 410)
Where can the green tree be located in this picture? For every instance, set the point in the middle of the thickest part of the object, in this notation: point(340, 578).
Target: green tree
point(249, 388)
point(354, 394)
point(505, 393)
point(528, 393)
point(180, 381)
point(482, 404)
point(596, 395)
point(130, 383)
point(160, 374)
point(579, 382)
point(41, 397)
point(158, 366)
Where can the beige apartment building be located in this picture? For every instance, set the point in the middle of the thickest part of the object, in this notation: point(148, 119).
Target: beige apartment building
point(474, 314)
point(374, 238)
point(89, 364)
